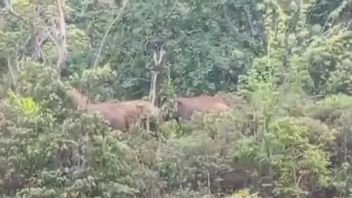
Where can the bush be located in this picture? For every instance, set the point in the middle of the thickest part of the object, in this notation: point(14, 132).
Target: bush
point(49, 149)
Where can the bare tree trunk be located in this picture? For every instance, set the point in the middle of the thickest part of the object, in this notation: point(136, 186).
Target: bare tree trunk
point(10, 67)
point(153, 86)
point(61, 40)
point(155, 82)
point(2, 21)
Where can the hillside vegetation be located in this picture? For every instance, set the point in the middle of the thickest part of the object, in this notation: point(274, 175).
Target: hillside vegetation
point(284, 66)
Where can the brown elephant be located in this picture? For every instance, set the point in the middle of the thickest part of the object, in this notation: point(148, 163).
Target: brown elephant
point(187, 106)
point(120, 115)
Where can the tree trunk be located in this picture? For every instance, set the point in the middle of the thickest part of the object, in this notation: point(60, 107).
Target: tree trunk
point(61, 40)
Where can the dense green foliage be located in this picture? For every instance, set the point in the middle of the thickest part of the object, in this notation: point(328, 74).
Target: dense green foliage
point(285, 66)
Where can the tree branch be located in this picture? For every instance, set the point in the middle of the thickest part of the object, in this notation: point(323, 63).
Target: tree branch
point(116, 19)
point(61, 40)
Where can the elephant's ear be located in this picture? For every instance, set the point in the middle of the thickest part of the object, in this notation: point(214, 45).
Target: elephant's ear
point(179, 103)
point(140, 108)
